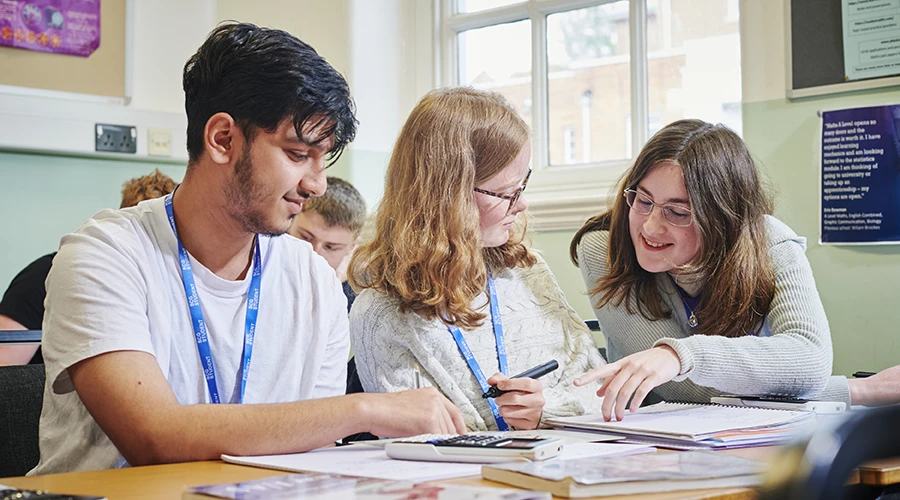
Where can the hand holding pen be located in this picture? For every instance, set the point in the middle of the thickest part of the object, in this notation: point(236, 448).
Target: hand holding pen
point(520, 399)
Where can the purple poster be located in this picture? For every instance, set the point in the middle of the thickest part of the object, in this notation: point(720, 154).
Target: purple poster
point(861, 175)
point(59, 26)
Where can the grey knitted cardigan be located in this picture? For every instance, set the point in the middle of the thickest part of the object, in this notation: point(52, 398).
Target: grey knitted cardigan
point(795, 360)
point(538, 325)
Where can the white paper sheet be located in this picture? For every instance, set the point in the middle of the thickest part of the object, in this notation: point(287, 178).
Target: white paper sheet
point(366, 461)
point(585, 450)
point(359, 460)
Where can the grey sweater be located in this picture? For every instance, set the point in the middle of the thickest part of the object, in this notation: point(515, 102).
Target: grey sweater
point(538, 325)
point(794, 360)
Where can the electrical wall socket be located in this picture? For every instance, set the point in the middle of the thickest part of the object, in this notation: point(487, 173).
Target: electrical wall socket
point(115, 138)
point(159, 142)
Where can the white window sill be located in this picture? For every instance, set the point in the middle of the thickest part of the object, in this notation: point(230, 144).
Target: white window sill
point(564, 197)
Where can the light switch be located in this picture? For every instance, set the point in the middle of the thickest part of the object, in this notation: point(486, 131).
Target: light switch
point(159, 142)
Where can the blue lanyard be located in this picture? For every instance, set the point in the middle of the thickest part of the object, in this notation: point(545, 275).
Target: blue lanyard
point(200, 331)
point(501, 352)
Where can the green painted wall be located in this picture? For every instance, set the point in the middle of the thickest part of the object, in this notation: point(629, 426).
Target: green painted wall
point(366, 173)
point(859, 285)
point(43, 197)
point(554, 248)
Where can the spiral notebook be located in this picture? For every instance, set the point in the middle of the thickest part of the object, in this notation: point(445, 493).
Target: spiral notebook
point(692, 426)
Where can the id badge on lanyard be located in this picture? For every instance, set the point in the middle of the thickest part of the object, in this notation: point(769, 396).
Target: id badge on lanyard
point(501, 352)
point(199, 324)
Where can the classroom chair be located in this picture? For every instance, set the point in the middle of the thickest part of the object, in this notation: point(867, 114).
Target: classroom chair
point(21, 397)
point(354, 385)
point(818, 468)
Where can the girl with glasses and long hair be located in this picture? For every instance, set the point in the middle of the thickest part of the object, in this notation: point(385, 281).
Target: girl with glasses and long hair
point(698, 290)
point(450, 295)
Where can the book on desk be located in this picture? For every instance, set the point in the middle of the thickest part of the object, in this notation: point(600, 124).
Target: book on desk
point(629, 475)
point(686, 426)
point(329, 486)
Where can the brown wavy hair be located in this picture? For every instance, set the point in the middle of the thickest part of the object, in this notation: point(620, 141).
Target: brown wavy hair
point(728, 201)
point(426, 249)
point(146, 187)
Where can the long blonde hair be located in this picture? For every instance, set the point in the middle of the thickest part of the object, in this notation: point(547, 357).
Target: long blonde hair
point(426, 249)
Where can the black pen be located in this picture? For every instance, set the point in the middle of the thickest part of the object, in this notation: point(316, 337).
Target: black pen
point(536, 372)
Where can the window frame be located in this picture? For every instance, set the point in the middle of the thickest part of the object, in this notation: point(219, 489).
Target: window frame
point(564, 196)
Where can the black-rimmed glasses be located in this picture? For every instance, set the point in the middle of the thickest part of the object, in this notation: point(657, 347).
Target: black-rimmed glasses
point(513, 198)
point(675, 215)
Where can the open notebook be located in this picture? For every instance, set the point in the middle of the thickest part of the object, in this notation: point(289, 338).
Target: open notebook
point(689, 426)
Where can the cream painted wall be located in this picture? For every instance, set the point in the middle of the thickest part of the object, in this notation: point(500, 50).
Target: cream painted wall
point(762, 50)
point(166, 34)
point(322, 24)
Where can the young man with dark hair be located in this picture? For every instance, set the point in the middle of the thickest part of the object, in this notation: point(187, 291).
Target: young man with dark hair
point(136, 294)
point(331, 223)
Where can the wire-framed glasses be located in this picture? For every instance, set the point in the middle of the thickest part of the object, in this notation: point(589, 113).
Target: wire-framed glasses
point(675, 215)
point(513, 198)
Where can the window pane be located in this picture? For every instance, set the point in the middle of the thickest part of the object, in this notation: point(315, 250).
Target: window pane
point(463, 6)
point(694, 61)
point(498, 58)
point(589, 84)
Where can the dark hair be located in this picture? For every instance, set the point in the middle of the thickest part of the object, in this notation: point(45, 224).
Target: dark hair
point(729, 204)
point(260, 76)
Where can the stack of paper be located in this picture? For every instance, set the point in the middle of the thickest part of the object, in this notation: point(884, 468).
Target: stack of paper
point(629, 475)
point(690, 426)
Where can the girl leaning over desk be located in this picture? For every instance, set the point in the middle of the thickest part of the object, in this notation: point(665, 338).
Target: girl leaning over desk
point(698, 290)
point(447, 272)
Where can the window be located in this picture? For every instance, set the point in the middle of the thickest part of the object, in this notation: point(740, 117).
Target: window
point(594, 79)
point(569, 145)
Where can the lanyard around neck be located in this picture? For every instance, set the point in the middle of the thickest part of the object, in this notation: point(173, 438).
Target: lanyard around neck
point(200, 330)
point(501, 352)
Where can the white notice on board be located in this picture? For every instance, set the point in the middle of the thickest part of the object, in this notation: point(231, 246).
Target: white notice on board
point(871, 38)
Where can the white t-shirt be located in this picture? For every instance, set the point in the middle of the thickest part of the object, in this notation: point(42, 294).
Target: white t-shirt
point(116, 285)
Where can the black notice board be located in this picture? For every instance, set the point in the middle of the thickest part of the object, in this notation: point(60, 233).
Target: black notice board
point(817, 44)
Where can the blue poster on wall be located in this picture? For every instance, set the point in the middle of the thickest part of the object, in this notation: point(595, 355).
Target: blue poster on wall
point(860, 175)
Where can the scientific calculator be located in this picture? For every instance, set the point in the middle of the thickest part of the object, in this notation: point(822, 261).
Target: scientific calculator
point(473, 448)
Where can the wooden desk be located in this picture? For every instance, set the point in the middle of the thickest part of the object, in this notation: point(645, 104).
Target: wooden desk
point(880, 472)
point(168, 481)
